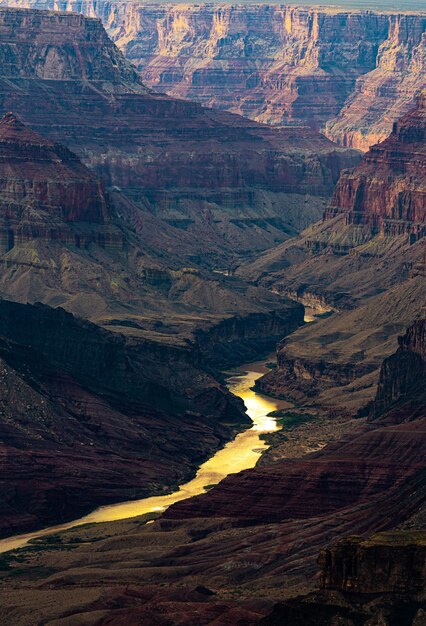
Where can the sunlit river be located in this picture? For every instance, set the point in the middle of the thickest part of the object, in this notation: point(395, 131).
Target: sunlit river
point(238, 454)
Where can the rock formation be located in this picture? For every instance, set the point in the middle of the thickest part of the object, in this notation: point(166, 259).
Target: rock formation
point(402, 375)
point(79, 401)
point(364, 260)
point(247, 549)
point(351, 72)
point(46, 193)
point(379, 580)
point(234, 185)
point(388, 191)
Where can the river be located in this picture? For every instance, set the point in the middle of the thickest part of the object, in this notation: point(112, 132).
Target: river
point(241, 453)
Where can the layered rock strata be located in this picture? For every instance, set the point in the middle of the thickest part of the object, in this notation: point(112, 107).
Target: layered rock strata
point(365, 260)
point(351, 72)
point(48, 194)
point(381, 579)
point(222, 178)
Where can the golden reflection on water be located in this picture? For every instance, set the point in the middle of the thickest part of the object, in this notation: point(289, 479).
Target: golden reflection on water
point(238, 454)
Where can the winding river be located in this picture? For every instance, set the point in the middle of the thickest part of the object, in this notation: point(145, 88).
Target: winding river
point(238, 454)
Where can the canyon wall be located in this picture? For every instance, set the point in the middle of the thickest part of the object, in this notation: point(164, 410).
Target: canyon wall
point(247, 550)
point(349, 72)
point(388, 191)
point(234, 185)
point(378, 580)
point(403, 374)
point(366, 261)
point(80, 401)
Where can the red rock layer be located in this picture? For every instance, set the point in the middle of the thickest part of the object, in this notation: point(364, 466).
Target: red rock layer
point(353, 71)
point(220, 176)
point(47, 193)
point(387, 192)
point(38, 175)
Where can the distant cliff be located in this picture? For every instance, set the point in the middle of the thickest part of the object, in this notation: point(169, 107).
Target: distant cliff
point(352, 72)
point(234, 185)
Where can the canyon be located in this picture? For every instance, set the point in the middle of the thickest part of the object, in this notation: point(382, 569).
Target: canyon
point(374, 226)
point(232, 185)
point(348, 72)
point(148, 244)
point(246, 550)
point(79, 395)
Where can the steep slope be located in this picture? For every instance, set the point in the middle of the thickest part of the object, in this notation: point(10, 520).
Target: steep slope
point(66, 243)
point(352, 72)
point(46, 192)
point(234, 554)
point(84, 414)
point(365, 260)
point(222, 178)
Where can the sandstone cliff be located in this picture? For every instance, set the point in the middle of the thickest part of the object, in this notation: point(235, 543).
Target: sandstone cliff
point(233, 185)
point(351, 72)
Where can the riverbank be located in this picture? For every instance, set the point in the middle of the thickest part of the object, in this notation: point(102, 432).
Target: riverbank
point(240, 453)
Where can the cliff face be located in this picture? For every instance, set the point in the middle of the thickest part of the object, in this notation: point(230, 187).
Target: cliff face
point(379, 580)
point(387, 563)
point(351, 72)
point(383, 95)
point(387, 192)
point(404, 373)
point(363, 260)
point(220, 177)
point(46, 193)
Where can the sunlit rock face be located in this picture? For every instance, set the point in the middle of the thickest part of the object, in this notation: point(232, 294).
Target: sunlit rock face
point(228, 181)
point(350, 72)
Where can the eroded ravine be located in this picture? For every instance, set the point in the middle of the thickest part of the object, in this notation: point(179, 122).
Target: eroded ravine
point(241, 453)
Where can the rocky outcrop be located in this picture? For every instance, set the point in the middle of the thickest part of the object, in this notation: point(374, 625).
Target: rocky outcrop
point(392, 563)
point(221, 178)
point(47, 193)
point(379, 580)
point(364, 260)
point(403, 375)
point(352, 72)
point(387, 192)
